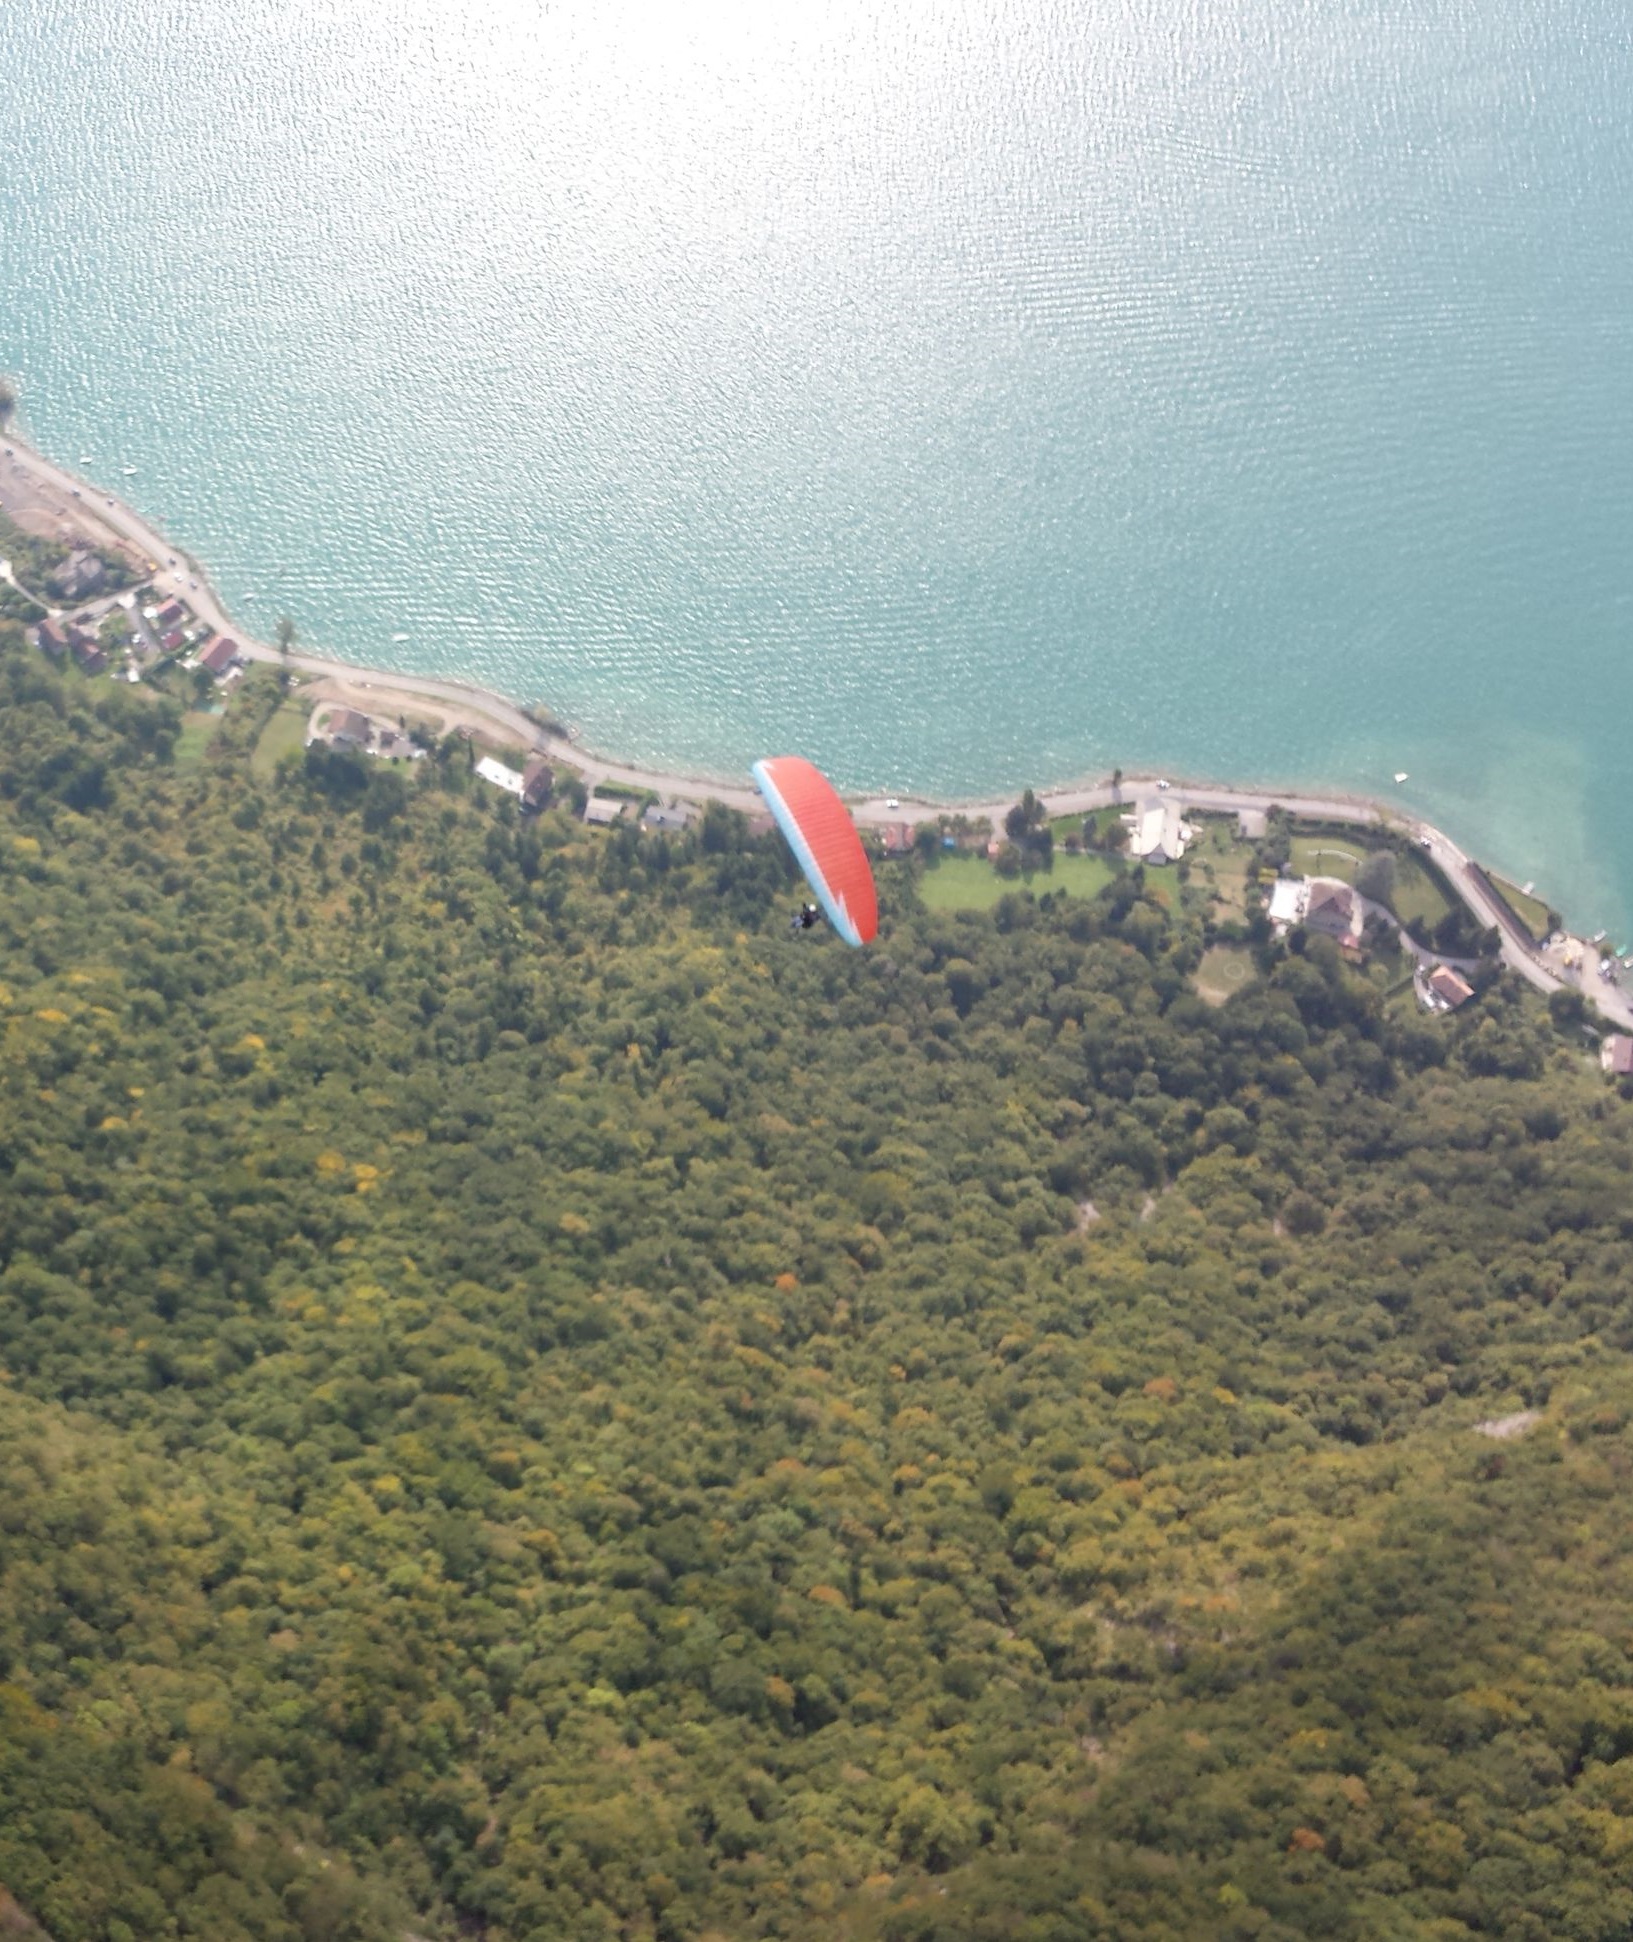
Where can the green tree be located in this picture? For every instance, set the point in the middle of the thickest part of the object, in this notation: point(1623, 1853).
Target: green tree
point(535, 1403)
point(1376, 877)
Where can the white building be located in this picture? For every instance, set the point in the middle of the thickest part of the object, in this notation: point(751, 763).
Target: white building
point(499, 775)
point(1158, 833)
point(1324, 904)
point(1289, 899)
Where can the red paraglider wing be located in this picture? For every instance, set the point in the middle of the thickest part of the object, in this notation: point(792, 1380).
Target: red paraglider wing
point(823, 837)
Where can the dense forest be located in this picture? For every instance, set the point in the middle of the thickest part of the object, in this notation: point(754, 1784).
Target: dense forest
point(536, 1405)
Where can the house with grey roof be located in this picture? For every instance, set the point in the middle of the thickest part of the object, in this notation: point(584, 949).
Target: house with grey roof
point(77, 577)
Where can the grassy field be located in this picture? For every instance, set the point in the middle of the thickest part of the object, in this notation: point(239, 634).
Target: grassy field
point(198, 730)
point(1163, 886)
point(1531, 911)
point(1417, 894)
point(1224, 969)
point(284, 734)
point(1220, 859)
point(1326, 856)
point(1082, 876)
point(1065, 826)
point(971, 883)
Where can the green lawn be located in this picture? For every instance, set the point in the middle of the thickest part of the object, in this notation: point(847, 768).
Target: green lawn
point(284, 734)
point(1065, 826)
point(1214, 841)
point(1326, 856)
point(1224, 969)
point(1082, 876)
point(1219, 861)
point(971, 883)
point(1531, 911)
point(198, 730)
point(1417, 894)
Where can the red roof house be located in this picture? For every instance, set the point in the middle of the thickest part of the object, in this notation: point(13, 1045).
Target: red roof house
point(1445, 983)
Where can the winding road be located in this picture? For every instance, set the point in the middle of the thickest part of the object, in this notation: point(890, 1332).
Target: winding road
point(459, 703)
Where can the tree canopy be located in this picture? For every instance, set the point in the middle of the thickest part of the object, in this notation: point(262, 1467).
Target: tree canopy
point(537, 1405)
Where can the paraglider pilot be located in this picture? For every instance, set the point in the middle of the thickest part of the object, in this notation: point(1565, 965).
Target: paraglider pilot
point(806, 918)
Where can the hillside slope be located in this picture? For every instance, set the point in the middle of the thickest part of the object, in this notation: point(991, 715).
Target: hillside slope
point(539, 1407)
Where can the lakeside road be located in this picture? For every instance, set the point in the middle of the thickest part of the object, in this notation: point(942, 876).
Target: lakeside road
point(32, 483)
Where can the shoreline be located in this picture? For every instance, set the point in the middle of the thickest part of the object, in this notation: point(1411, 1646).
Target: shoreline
point(190, 582)
point(106, 519)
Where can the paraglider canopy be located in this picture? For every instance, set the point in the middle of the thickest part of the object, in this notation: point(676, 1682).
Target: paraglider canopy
point(824, 840)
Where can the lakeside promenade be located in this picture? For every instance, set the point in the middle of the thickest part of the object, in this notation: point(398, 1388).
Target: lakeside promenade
point(29, 480)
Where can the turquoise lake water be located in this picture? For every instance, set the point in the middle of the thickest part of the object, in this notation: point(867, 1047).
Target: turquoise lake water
point(963, 395)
